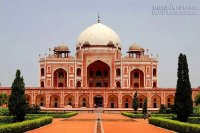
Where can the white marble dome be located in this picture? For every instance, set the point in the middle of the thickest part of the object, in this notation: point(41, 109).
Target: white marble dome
point(98, 34)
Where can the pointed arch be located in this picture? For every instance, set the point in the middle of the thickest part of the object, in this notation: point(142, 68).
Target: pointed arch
point(69, 100)
point(155, 101)
point(127, 101)
point(112, 101)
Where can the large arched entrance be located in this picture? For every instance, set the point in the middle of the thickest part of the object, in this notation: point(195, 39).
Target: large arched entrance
point(98, 74)
point(137, 78)
point(98, 101)
point(60, 78)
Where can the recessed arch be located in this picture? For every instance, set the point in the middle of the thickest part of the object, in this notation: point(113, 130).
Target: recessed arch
point(118, 72)
point(169, 100)
point(98, 72)
point(154, 84)
point(60, 78)
point(69, 100)
point(78, 72)
point(84, 101)
point(41, 100)
point(154, 72)
point(155, 101)
point(78, 84)
point(137, 76)
point(55, 101)
point(141, 99)
point(118, 84)
point(42, 72)
point(112, 101)
point(126, 101)
point(42, 83)
point(98, 100)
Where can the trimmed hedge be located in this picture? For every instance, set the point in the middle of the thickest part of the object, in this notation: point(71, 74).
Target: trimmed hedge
point(54, 115)
point(6, 119)
point(194, 120)
point(132, 115)
point(174, 125)
point(24, 126)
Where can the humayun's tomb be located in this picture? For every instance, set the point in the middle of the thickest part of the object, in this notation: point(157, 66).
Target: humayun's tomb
point(98, 75)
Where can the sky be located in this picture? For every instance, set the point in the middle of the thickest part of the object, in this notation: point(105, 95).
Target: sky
point(28, 28)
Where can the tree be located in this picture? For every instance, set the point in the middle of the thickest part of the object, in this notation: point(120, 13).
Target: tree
point(144, 107)
point(135, 102)
point(17, 101)
point(197, 99)
point(3, 99)
point(183, 95)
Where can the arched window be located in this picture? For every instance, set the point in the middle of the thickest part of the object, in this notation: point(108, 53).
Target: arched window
point(136, 75)
point(42, 72)
point(98, 73)
point(41, 101)
point(140, 103)
point(154, 103)
point(42, 83)
point(78, 72)
point(78, 84)
point(118, 84)
point(136, 85)
point(60, 84)
point(154, 72)
point(154, 84)
point(118, 72)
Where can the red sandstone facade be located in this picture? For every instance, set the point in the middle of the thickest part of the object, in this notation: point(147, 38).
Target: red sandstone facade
point(98, 75)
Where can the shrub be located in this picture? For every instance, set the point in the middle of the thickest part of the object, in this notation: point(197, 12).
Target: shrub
point(55, 115)
point(34, 109)
point(6, 119)
point(131, 115)
point(162, 109)
point(3, 111)
point(175, 125)
point(24, 126)
point(194, 120)
point(196, 110)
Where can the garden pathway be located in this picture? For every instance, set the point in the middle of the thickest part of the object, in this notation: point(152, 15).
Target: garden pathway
point(112, 123)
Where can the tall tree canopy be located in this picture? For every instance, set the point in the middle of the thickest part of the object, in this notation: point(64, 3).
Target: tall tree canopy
point(183, 95)
point(135, 102)
point(17, 101)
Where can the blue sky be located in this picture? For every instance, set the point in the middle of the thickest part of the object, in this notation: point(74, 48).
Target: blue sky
point(30, 27)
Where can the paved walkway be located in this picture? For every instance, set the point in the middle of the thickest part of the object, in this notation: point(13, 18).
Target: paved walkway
point(111, 123)
point(81, 123)
point(115, 123)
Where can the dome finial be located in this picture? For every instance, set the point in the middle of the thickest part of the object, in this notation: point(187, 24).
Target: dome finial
point(98, 18)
